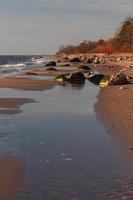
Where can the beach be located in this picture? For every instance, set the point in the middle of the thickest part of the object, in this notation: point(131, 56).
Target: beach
point(58, 133)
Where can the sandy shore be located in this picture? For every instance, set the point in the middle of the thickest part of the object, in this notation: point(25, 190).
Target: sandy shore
point(115, 103)
point(115, 109)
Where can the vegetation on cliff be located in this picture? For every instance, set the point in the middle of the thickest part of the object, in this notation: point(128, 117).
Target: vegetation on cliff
point(121, 42)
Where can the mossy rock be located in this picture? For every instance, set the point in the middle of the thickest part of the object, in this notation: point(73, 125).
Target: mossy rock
point(96, 79)
point(104, 81)
point(61, 78)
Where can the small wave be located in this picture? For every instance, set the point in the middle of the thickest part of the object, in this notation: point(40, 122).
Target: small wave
point(24, 64)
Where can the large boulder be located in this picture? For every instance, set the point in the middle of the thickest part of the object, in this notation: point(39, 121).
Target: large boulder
point(118, 79)
point(75, 60)
point(76, 77)
point(95, 79)
point(51, 63)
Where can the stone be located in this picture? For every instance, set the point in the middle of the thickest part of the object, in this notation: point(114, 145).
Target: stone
point(96, 61)
point(76, 77)
point(118, 79)
point(51, 69)
point(104, 81)
point(88, 74)
point(31, 73)
point(51, 63)
point(76, 60)
point(61, 78)
point(84, 68)
point(89, 61)
point(95, 79)
point(66, 65)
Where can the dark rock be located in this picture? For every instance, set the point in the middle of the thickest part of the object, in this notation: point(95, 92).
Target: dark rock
point(51, 69)
point(51, 63)
point(76, 59)
point(66, 65)
point(76, 77)
point(118, 79)
point(89, 61)
point(84, 68)
point(66, 58)
point(96, 78)
point(31, 73)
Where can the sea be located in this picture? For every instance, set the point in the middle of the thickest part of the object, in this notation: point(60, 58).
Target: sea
point(11, 64)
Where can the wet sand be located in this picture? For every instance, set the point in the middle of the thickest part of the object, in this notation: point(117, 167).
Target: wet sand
point(115, 109)
point(115, 103)
point(13, 105)
point(21, 83)
point(11, 176)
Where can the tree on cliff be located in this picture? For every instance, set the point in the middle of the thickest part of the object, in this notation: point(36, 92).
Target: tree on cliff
point(83, 47)
point(68, 49)
point(124, 36)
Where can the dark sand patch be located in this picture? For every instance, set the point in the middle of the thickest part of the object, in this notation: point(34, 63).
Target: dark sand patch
point(13, 105)
point(21, 83)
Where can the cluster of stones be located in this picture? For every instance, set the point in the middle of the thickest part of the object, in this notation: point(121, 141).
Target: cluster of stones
point(84, 72)
point(102, 59)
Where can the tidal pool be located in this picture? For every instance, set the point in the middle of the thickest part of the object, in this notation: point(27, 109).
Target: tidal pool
point(62, 151)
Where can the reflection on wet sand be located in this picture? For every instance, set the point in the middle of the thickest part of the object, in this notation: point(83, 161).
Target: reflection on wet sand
point(11, 176)
point(12, 105)
point(73, 86)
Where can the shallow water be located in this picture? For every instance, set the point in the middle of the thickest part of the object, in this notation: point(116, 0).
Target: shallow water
point(58, 148)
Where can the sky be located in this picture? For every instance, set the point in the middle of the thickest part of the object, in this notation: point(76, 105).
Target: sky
point(41, 26)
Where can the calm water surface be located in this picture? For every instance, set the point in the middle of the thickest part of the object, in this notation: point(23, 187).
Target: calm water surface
point(56, 149)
